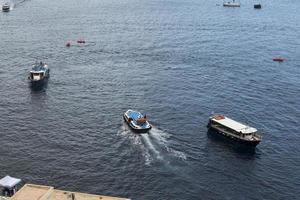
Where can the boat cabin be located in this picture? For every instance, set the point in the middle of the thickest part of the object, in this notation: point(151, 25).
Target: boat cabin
point(36, 76)
point(8, 185)
point(229, 125)
point(39, 72)
point(5, 7)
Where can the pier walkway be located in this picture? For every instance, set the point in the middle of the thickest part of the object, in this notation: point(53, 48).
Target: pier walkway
point(40, 192)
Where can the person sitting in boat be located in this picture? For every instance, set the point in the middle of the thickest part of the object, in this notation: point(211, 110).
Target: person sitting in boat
point(141, 120)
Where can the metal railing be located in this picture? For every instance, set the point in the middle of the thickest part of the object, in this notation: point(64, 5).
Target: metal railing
point(240, 136)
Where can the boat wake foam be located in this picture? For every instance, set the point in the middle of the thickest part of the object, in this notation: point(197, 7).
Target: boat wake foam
point(137, 141)
point(154, 145)
point(17, 3)
point(151, 146)
point(161, 137)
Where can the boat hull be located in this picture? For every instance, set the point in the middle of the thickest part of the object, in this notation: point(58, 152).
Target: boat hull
point(231, 5)
point(237, 140)
point(136, 130)
point(257, 6)
point(277, 59)
point(38, 85)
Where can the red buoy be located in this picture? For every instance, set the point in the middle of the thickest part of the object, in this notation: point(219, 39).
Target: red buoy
point(277, 59)
point(68, 44)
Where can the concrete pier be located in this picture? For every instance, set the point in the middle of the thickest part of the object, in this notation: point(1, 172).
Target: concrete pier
point(40, 192)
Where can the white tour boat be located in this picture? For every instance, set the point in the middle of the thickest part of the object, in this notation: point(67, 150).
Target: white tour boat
point(234, 130)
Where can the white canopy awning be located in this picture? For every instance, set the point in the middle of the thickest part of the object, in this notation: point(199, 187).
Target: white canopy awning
point(9, 182)
point(237, 126)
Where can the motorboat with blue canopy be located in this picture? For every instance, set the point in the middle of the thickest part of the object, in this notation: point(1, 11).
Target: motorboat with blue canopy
point(137, 121)
point(39, 73)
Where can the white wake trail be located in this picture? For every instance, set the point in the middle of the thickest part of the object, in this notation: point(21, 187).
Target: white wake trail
point(154, 145)
point(149, 143)
point(137, 141)
point(162, 138)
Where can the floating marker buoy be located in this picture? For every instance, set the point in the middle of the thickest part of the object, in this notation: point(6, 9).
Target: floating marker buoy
point(277, 59)
point(257, 6)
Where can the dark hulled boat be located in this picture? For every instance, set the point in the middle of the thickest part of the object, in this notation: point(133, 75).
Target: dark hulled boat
point(233, 130)
point(5, 7)
point(137, 121)
point(257, 6)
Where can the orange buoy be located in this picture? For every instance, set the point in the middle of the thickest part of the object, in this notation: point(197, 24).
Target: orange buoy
point(277, 59)
point(68, 44)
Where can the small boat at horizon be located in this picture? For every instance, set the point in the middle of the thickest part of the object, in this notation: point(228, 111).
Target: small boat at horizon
point(233, 130)
point(5, 7)
point(232, 3)
point(277, 59)
point(39, 73)
point(257, 6)
point(137, 121)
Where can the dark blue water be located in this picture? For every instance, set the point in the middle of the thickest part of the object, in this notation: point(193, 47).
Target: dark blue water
point(178, 61)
